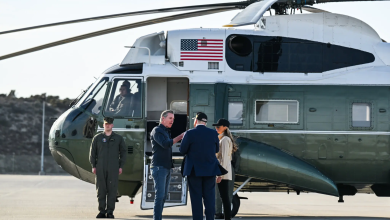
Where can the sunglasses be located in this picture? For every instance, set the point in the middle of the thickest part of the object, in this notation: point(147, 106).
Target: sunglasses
point(122, 89)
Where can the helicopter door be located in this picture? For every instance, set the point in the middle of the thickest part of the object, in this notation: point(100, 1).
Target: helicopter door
point(166, 93)
point(124, 102)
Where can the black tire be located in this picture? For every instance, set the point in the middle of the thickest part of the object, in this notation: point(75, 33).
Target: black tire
point(235, 205)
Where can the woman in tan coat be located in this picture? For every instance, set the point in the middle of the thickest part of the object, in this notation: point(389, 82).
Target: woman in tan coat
point(226, 148)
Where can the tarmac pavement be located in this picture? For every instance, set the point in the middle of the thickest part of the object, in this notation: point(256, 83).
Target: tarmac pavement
point(35, 197)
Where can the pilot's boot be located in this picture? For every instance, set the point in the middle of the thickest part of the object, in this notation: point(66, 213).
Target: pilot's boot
point(219, 216)
point(101, 215)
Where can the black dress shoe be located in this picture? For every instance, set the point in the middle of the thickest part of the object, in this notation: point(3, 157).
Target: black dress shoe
point(101, 215)
point(110, 216)
point(219, 216)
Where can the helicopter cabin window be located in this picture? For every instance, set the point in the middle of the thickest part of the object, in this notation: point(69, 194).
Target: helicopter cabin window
point(276, 111)
point(125, 99)
point(361, 115)
point(284, 54)
point(179, 106)
point(94, 101)
point(288, 57)
point(235, 110)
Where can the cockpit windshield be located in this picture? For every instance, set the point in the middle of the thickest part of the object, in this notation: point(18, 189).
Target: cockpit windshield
point(94, 99)
point(79, 97)
point(125, 99)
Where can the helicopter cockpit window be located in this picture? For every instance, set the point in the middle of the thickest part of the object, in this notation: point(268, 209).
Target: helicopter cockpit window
point(125, 99)
point(95, 98)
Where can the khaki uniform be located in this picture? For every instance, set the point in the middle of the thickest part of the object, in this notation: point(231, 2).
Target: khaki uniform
point(107, 154)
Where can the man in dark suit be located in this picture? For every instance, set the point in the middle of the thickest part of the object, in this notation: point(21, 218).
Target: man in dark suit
point(200, 145)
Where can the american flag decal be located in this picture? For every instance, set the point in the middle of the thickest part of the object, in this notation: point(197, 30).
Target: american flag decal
point(201, 49)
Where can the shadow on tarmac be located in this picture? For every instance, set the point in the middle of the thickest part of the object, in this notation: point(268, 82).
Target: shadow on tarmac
point(267, 217)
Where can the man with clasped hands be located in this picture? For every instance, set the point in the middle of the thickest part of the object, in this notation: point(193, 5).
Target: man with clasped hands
point(201, 166)
point(107, 156)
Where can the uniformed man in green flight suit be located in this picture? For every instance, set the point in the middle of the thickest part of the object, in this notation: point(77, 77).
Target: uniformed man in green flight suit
point(107, 156)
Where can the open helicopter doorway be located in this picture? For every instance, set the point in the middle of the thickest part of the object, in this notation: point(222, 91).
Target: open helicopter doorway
point(164, 93)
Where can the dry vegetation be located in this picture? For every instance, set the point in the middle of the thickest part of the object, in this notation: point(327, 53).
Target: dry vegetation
point(21, 123)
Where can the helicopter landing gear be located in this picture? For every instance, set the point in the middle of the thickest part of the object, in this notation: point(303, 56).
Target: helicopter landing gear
point(236, 199)
point(235, 205)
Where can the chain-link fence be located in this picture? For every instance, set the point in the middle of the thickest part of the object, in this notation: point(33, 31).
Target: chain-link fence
point(28, 164)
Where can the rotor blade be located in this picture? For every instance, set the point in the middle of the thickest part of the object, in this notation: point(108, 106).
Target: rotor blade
point(120, 28)
point(161, 10)
point(251, 14)
point(326, 1)
point(313, 10)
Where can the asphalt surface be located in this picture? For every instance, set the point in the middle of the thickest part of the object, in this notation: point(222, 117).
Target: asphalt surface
point(65, 197)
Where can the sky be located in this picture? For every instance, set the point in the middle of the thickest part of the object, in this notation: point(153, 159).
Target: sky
point(68, 69)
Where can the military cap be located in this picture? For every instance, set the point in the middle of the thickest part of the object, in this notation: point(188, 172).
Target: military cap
point(108, 120)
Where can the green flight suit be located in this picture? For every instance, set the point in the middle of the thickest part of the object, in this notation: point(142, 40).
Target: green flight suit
point(107, 154)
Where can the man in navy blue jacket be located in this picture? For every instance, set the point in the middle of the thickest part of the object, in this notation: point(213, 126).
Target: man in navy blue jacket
point(200, 145)
point(162, 160)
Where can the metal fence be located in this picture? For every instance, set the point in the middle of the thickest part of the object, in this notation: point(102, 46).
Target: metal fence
point(28, 164)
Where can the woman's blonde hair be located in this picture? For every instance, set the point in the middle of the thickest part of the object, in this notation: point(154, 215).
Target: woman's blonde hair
point(229, 135)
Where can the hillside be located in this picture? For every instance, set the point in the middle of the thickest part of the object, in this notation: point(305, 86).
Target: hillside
point(21, 125)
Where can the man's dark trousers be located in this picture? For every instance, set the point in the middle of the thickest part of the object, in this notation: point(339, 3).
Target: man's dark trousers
point(106, 185)
point(161, 166)
point(161, 178)
point(201, 166)
point(202, 187)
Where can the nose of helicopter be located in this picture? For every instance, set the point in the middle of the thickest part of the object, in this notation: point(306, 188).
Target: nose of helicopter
point(55, 131)
point(58, 146)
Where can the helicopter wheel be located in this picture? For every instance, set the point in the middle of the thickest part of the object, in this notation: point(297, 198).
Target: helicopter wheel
point(235, 205)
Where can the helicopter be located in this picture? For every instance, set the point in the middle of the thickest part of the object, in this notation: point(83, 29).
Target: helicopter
point(296, 89)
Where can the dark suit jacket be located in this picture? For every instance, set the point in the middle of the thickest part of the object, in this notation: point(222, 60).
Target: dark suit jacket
point(200, 145)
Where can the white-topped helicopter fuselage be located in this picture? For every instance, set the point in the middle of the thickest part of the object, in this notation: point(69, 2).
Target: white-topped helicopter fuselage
point(307, 96)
